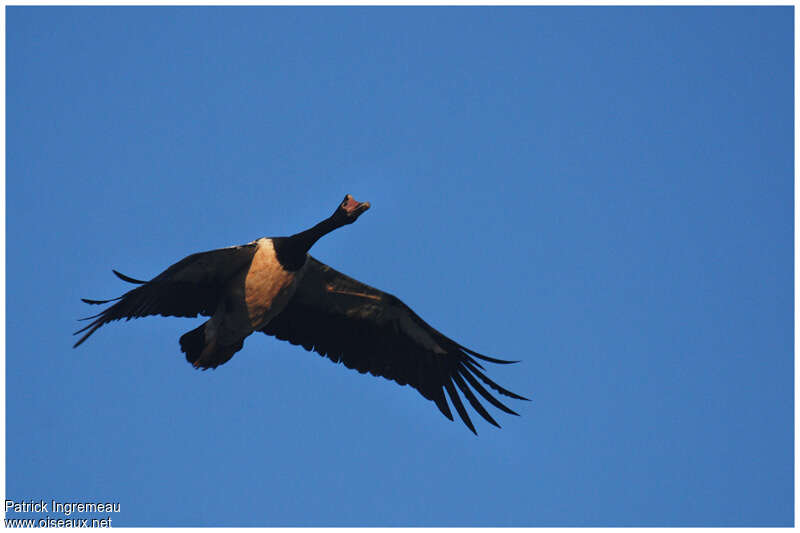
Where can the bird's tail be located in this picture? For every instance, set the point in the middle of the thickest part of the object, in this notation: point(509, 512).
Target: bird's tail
point(206, 354)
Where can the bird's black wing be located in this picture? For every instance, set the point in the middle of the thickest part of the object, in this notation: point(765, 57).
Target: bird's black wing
point(372, 331)
point(190, 287)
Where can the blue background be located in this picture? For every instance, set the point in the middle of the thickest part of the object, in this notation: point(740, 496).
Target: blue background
point(603, 193)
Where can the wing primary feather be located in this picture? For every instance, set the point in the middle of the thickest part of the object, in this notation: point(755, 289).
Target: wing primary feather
point(91, 317)
point(486, 357)
point(441, 403)
point(491, 383)
point(473, 401)
point(458, 405)
point(129, 279)
point(80, 341)
point(486, 394)
point(100, 302)
point(473, 361)
point(85, 328)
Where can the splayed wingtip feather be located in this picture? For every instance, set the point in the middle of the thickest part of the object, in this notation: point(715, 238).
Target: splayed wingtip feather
point(486, 394)
point(473, 401)
point(129, 279)
point(486, 357)
point(491, 383)
point(462, 412)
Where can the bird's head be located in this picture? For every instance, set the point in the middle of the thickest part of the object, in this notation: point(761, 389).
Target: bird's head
point(349, 210)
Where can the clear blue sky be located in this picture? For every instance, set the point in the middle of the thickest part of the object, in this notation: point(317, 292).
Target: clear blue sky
point(602, 193)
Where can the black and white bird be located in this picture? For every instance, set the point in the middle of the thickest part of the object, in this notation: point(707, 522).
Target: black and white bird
point(272, 285)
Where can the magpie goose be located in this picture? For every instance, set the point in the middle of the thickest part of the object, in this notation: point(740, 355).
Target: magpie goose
point(273, 286)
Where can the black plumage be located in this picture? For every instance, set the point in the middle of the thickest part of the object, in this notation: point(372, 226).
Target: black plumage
point(274, 286)
point(192, 286)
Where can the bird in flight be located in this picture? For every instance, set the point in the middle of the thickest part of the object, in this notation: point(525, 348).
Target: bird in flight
point(273, 286)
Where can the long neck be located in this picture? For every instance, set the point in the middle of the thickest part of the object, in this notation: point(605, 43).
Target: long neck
point(291, 251)
point(303, 241)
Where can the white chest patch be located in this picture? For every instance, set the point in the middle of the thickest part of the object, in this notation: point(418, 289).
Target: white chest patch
point(268, 287)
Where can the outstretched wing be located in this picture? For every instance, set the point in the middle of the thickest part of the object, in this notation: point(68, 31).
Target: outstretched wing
point(190, 287)
point(372, 331)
